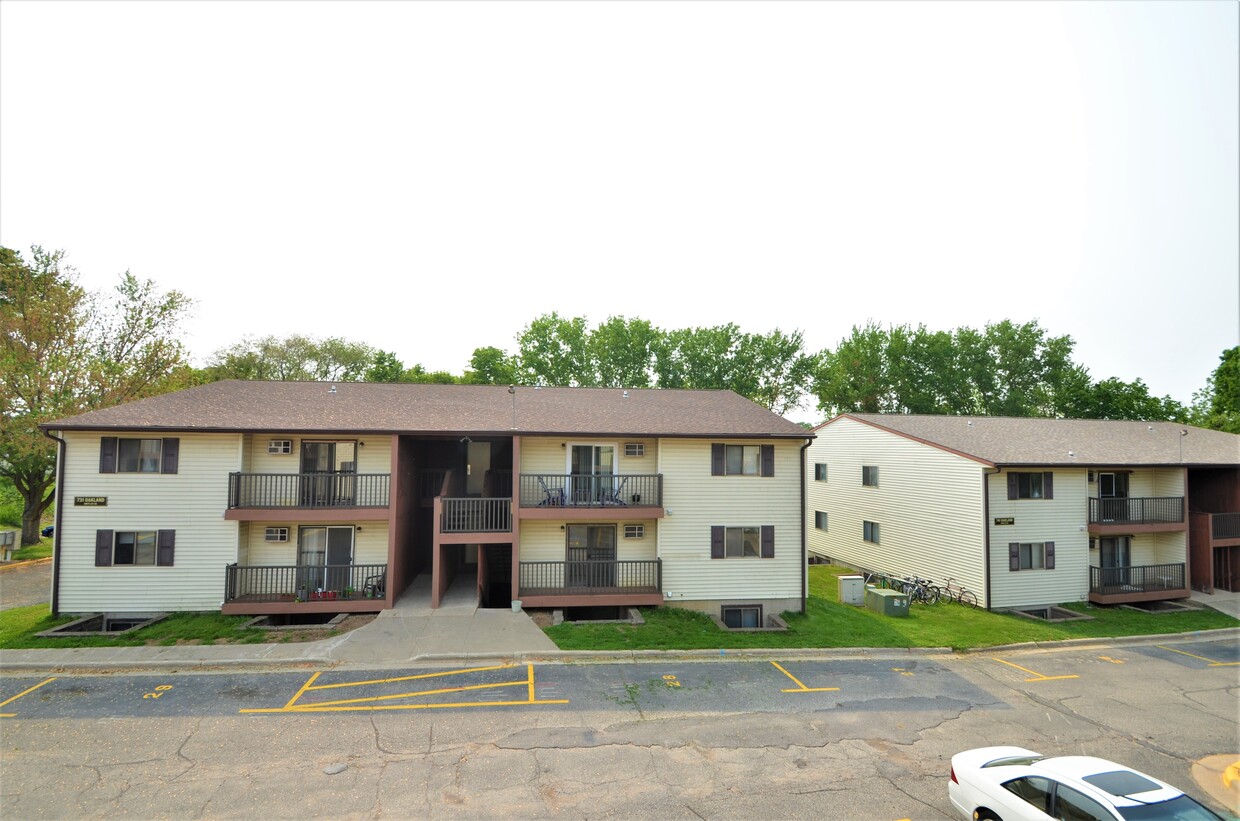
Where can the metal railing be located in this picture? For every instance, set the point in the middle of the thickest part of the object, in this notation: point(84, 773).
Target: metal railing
point(1225, 525)
point(430, 482)
point(1137, 511)
point(599, 490)
point(308, 490)
point(592, 576)
point(1146, 578)
point(476, 515)
point(304, 582)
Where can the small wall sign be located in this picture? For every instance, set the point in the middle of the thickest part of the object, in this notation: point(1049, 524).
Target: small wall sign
point(1005, 520)
point(90, 501)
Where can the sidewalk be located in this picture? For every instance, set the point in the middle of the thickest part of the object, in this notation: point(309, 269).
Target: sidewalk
point(411, 633)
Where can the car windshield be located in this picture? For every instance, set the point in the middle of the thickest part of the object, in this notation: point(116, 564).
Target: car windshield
point(1177, 809)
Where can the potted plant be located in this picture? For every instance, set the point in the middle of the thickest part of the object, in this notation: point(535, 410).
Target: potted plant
point(348, 592)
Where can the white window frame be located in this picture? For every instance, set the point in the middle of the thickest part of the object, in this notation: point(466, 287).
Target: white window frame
point(820, 520)
point(280, 534)
point(869, 475)
point(634, 531)
point(137, 537)
point(159, 458)
point(1033, 551)
point(280, 447)
point(738, 531)
point(757, 463)
point(823, 472)
point(634, 450)
point(870, 531)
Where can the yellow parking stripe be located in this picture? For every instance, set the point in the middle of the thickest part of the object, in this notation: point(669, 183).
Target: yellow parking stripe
point(1039, 676)
point(801, 688)
point(22, 693)
point(370, 702)
point(1212, 662)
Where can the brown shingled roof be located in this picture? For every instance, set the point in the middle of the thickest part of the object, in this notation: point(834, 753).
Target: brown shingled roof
point(1103, 442)
point(360, 407)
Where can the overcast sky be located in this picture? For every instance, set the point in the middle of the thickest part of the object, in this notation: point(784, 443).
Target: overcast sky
point(428, 177)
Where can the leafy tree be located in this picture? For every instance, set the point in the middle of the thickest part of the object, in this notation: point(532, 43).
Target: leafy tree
point(293, 358)
point(1114, 398)
point(491, 366)
point(1217, 405)
point(64, 351)
point(553, 351)
point(385, 367)
point(622, 352)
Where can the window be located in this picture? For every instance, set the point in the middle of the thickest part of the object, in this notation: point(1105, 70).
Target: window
point(742, 460)
point(869, 531)
point(820, 471)
point(138, 455)
point(740, 617)
point(820, 519)
point(135, 548)
point(633, 449)
point(634, 531)
point(1034, 790)
point(1072, 805)
point(118, 455)
point(869, 475)
point(1031, 485)
point(280, 446)
point(276, 534)
point(742, 542)
point(1031, 556)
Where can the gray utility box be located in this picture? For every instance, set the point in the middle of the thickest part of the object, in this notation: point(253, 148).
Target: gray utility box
point(852, 590)
point(8, 540)
point(887, 602)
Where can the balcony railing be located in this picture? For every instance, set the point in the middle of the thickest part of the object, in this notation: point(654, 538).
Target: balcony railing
point(591, 576)
point(280, 583)
point(1148, 578)
point(476, 515)
point(1225, 525)
point(308, 490)
point(608, 490)
point(1137, 511)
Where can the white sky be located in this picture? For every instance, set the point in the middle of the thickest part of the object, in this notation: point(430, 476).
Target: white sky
point(428, 177)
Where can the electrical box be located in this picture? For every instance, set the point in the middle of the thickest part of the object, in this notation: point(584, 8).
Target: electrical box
point(8, 538)
point(852, 590)
point(887, 602)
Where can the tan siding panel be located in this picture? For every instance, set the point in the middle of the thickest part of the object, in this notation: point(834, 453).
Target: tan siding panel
point(1061, 520)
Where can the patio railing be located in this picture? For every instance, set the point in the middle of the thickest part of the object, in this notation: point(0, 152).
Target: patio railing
point(598, 490)
point(476, 515)
point(1225, 525)
point(308, 490)
point(274, 583)
point(592, 576)
point(1137, 510)
point(1109, 581)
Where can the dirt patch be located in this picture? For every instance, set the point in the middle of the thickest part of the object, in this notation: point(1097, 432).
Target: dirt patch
point(286, 636)
point(542, 618)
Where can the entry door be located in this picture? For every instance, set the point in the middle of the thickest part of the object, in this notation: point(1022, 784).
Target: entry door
point(324, 558)
point(591, 556)
point(328, 470)
point(1113, 496)
point(593, 468)
point(1115, 559)
point(479, 462)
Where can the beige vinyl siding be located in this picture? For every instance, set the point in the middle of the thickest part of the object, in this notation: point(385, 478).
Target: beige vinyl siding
point(1061, 520)
point(370, 546)
point(374, 453)
point(928, 505)
point(552, 455)
point(544, 541)
point(1168, 482)
point(191, 502)
point(695, 501)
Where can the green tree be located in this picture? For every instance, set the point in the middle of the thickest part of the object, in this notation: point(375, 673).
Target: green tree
point(491, 366)
point(293, 358)
point(64, 351)
point(1217, 405)
point(385, 367)
point(622, 352)
point(1114, 398)
point(553, 350)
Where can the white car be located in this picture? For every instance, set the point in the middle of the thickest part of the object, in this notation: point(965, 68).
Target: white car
point(1015, 784)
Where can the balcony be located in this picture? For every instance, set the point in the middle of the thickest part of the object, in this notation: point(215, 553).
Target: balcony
point(475, 515)
point(1224, 526)
point(304, 588)
point(555, 490)
point(263, 495)
point(591, 582)
point(1136, 515)
point(1151, 582)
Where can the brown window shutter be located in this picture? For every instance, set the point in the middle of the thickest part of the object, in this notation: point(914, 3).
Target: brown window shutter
point(1012, 486)
point(1050, 553)
point(171, 455)
point(1048, 485)
point(165, 544)
point(716, 459)
point(1013, 556)
point(107, 455)
point(768, 460)
point(716, 542)
point(103, 548)
point(768, 541)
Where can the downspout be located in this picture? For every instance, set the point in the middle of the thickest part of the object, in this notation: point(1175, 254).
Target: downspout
point(60, 508)
point(986, 530)
point(804, 536)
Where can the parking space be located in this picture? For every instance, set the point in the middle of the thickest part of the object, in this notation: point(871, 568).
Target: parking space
point(1197, 655)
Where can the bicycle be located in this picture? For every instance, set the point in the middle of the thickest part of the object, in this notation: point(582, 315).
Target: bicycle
point(881, 580)
point(959, 593)
point(921, 590)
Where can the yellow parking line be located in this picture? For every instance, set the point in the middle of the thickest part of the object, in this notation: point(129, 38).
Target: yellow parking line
point(22, 693)
point(801, 688)
point(368, 702)
point(1212, 662)
point(1040, 677)
point(1231, 774)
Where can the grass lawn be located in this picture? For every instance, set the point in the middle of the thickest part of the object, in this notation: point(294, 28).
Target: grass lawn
point(36, 551)
point(827, 623)
point(19, 625)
